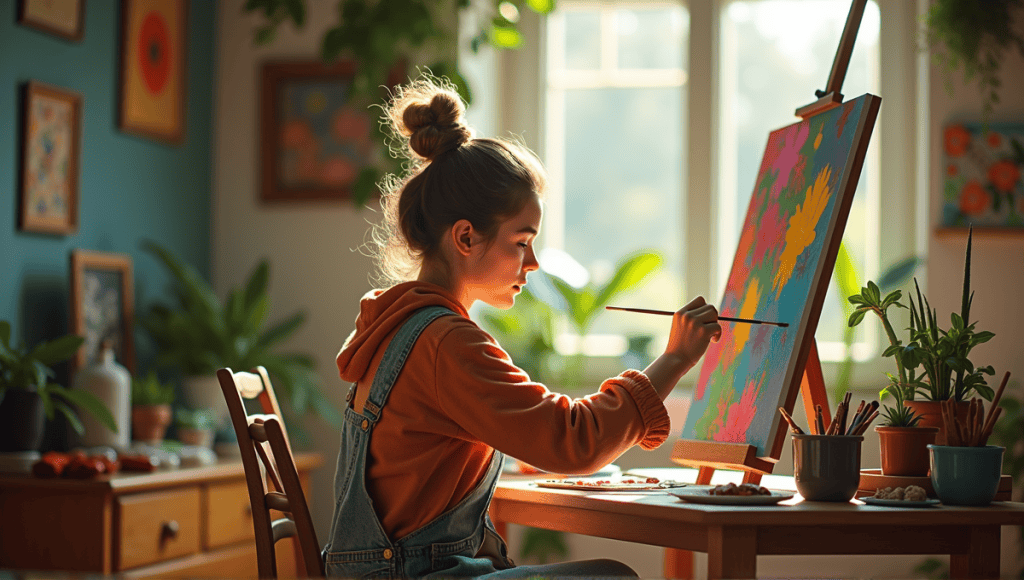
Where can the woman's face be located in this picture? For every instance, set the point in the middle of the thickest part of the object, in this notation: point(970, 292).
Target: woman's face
point(498, 271)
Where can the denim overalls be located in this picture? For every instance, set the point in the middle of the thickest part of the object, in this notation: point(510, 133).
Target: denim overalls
point(460, 542)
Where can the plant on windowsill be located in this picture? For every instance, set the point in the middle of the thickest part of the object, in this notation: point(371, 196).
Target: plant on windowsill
point(28, 393)
point(201, 334)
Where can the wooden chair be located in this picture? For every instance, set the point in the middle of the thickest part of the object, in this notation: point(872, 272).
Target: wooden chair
point(266, 451)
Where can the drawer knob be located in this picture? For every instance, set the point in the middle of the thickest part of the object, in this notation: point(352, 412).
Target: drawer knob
point(168, 530)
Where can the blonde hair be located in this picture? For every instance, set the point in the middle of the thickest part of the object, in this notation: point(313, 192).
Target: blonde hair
point(448, 175)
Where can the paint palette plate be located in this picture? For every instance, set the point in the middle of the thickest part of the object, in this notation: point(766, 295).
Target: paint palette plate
point(702, 496)
point(899, 502)
point(607, 485)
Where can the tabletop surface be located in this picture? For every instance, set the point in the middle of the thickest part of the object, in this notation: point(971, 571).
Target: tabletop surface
point(664, 506)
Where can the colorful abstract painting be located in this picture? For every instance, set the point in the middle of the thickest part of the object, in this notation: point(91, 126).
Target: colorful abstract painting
point(782, 268)
point(983, 183)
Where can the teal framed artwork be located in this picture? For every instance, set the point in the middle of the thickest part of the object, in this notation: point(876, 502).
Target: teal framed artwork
point(780, 272)
point(982, 183)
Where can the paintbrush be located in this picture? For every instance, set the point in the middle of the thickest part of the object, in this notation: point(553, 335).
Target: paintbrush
point(725, 318)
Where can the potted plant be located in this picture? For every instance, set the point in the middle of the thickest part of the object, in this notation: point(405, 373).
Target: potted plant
point(27, 392)
point(942, 355)
point(195, 426)
point(201, 334)
point(903, 443)
point(151, 408)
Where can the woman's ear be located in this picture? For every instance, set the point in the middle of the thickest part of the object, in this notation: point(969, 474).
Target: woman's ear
point(464, 237)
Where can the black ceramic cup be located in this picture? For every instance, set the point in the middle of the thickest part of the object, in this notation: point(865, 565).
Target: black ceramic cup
point(827, 467)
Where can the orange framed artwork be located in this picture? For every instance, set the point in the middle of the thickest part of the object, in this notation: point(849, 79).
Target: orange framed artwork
point(102, 306)
point(153, 68)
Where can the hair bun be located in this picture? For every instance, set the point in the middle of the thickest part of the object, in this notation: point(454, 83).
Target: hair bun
point(434, 122)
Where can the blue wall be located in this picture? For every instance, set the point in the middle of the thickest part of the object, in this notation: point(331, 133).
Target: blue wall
point(130, 187)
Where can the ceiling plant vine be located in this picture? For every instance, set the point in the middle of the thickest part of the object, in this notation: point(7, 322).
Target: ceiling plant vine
point(392, 39)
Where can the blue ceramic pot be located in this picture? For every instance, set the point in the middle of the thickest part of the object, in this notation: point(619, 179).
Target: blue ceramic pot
point(966, 475)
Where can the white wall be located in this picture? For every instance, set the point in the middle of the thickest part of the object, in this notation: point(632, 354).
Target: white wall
point(314, 264)
point(310, 247)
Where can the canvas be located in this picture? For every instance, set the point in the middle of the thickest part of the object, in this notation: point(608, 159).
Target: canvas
point(781, 271)
point(983, 184)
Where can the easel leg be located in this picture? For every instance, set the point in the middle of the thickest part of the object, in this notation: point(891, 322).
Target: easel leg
point(812, 389)
point(679, 563)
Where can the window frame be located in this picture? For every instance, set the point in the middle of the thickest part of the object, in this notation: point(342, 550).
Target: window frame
point(519, 83)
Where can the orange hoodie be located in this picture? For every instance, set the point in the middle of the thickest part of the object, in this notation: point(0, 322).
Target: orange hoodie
point(459, 397)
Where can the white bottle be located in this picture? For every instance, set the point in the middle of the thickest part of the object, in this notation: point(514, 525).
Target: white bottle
point(110, 383)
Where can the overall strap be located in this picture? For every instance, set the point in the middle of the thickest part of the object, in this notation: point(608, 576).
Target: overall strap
point(394, 358)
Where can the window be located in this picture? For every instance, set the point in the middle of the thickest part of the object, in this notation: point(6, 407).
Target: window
point(653, 117)
point(614, 133)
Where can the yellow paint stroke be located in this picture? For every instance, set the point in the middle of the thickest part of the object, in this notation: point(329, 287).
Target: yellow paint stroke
point(748, 309)
point(800, 233)
point(817, 140)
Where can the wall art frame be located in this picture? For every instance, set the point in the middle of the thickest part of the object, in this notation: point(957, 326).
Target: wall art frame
point(314, 142)
point(63, 18)
point(51, 145)
point(153, 49)
point(102, 305)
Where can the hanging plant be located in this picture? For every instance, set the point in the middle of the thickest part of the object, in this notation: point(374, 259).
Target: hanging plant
point(974, 35)
point(387, 35)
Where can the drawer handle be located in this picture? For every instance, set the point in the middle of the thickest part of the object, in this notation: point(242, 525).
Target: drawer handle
point(168, 531)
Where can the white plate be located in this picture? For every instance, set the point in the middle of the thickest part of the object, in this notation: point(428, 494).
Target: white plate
point(702, 496)
point(592, 485)
point(898, 502)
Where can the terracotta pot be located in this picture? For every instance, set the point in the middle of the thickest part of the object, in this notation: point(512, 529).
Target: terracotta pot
point(150, 422)
point(904, 450)
point(931, 415)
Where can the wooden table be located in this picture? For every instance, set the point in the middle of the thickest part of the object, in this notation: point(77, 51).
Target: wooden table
point(733, 536)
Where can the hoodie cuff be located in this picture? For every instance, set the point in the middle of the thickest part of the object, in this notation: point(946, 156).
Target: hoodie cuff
point(657, 423)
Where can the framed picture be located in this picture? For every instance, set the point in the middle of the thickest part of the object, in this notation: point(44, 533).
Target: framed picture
point(64, 18)
point(314, 142)
point(102, 305)
point(153, 52)
point(983, 184)
point(50, 149)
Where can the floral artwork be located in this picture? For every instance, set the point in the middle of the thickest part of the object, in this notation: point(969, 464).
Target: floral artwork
point(983, 170)
point(49, 176)
point(49, 154)
point(324, 140)
point(317, 144)
point(782, 268)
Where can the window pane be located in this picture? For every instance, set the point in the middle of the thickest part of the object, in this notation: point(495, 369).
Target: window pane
point(582, 40)
point(644, 34)
point(775, 54)
point(622, 181)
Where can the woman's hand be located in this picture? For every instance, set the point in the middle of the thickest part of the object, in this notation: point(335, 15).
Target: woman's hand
point(694, 326)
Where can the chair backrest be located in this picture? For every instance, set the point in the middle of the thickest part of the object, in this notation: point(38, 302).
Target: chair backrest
point(265, 449)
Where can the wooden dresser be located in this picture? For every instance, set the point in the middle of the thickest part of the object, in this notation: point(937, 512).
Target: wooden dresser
point(188, 522)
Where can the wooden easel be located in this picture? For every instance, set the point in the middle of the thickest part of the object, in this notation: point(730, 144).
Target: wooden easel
point(708, 456)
